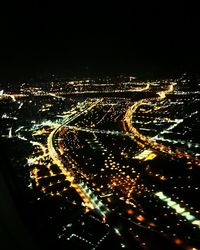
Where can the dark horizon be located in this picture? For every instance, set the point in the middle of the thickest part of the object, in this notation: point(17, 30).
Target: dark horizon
point(46, 38)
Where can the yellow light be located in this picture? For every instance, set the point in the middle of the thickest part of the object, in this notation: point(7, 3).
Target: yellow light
point(150, 157)
point(140, 218)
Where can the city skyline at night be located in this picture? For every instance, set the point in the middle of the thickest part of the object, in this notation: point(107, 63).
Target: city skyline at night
point(99, 135)
point(106, 159)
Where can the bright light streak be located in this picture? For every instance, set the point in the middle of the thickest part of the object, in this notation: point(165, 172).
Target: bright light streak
point(180, 210)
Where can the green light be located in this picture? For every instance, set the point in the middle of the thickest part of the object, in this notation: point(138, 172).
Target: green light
point(188, 216)
point(167, 200)
point(196, 222)
point(178, 208)
point(161, 195)
point(171, 203)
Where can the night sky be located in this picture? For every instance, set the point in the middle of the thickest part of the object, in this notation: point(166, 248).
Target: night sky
point(45, 37)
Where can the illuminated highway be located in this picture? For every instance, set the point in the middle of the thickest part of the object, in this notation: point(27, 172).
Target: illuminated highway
point(128, 118)
point(81, 188)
